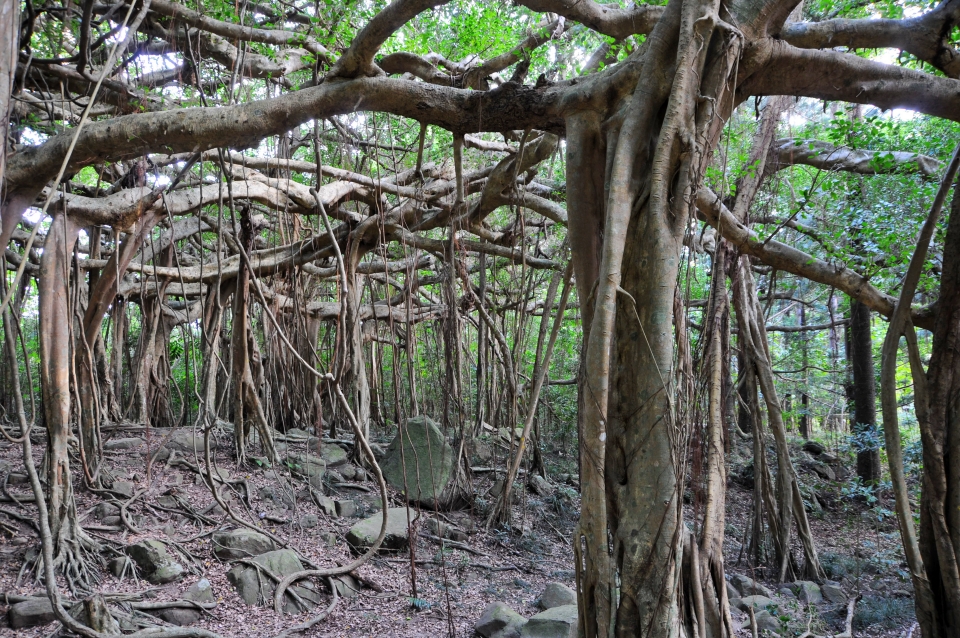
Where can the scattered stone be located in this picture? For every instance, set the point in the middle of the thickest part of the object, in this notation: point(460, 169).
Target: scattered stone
point(309, 521)
point(757, 602)
point(200, 592)
point(30, 613)
point(309, 466)
point(279, 497)
point(559, 622)
point(539, 485)
point(185, 442)
point(240, 543)
point(458, 535)
point(499, 621)
point(767, 622)
point(326, 504)
point(346, 509)
point(807, 591)
point(427, 458)
point(732, 591)
point(364, 534)
point(833, 594)
point(360, 475)
point(122, 444)
point(125, 488)
point(155, 562)
point(814, 448)
point(103, 510)
point(18, 478)
point(121, 567)
point(749, 587)
point(333, 454)
point(255, 588)
point(482, 451)
point(348, 472)
point(329, 539)
point(112, 521)
point(556, 595)
point(347, 586)
point(786, 593)
point(821, 469)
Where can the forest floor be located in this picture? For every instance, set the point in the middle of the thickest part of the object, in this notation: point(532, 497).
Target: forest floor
point(859, 548)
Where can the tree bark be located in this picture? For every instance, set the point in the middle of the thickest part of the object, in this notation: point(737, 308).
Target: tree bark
point(864, 394)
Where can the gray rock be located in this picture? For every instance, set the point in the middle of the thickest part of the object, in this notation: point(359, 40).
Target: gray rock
point(807, 591)
point(364, 534)
point(539, 485)
point(814, 448)
point(121, 567)
point(427, 458)
point(186, 441)
point(103, 510)
point(346, 508)
point(333, 454)
point(749, 587)
point(309, 466)
point(278, 497)
point(347, 586)
point(308, 521)
point(833, 594)
point(155, 562)
point(499, 621)
point(767, 622)
point(199, 592)
point(240, 543)
point(559, 622)
point(732, 591)
point(122, 444)
point(757, 602)
point(348, 472)
point(821, 469)
point(786, 593)
point(360, 475)
point(556, 595)
point(329, 539)
point(112, 521)
point(257, 589)
point(123, 487)
point(326, 504)
point(18, 478)
point(30, 613)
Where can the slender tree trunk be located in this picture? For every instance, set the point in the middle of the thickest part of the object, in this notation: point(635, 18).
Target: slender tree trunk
point(864, 394)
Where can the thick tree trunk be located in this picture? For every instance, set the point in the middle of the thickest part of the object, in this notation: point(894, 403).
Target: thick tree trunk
point(940, 501)
point(864, 394)
point(56, 350)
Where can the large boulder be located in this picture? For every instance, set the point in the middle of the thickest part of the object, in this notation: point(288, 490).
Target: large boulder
point(559, 622)
point(364, 534)
point(427, 458)
point(257, 588)
point(767, 622)
point(833, 593)
point(240, 543)
point(756, 601)
point(556, 595)
point(154, 562)
point(309, 466)
point(30, 613)
point(499, 621)
point(200, 592)
point(807, 591)
point(749, 587)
